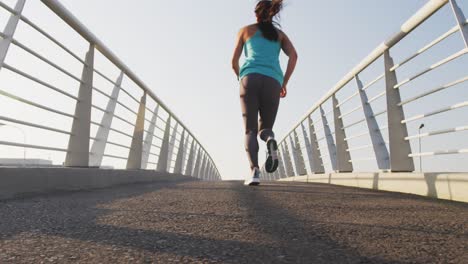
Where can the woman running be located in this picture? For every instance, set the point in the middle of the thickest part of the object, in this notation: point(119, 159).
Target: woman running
point(262, 82)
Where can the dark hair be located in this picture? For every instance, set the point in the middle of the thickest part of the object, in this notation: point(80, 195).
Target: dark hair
point(266, 11)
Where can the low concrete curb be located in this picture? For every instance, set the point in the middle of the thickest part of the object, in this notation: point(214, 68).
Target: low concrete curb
point(17, 182)
point(448, 186)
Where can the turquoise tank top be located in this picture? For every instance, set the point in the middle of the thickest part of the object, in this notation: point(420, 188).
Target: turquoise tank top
point(262, 56)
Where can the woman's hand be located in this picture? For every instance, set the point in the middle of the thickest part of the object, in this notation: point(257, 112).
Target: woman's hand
point(284, 92)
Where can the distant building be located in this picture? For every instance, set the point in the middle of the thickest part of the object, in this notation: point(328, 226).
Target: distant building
point(25, 162)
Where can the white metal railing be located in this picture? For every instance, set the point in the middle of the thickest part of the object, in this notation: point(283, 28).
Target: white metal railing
point(159, 140)
point(392, 148)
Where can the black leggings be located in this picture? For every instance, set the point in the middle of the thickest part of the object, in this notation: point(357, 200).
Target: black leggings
point(258, 94)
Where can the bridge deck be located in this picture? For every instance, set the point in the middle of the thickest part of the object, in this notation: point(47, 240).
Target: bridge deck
point(226, 222)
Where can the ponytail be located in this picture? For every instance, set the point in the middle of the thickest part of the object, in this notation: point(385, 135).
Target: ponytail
point(266, 11)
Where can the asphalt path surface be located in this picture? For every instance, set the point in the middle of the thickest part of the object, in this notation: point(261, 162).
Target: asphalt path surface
point(225, 222)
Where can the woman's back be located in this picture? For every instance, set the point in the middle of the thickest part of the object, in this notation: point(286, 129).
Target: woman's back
point(262, 56)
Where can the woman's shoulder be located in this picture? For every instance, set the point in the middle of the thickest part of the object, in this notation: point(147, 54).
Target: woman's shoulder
point(248, 31)
point(249, 28)
point(281, 33)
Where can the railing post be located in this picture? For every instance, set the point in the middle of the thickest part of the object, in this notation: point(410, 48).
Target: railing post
point(378, 142)
point(330, 141)
point(281, 166)
point(185, 153)
point(214, 173)
point(180, 155)
point(275, 175)
point(280, 169)
point(264, 174)
point(209, 171)
point(102, 135)
point(461, 19)
point(190, 161)
point(400, 148)
point(164, 152)
point(136, 151)
point(342, 149)
point(9, 31)
point(288, 161)
point(203, 168)
point(172, 145)
point(196, 172)
point(313, 150)
point(78, 144)
point(149, 138)
point(298, 157)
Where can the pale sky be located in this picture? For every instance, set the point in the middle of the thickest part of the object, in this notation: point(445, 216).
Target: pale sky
point(182, 51)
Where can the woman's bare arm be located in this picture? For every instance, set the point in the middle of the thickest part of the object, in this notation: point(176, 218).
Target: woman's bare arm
point(238, 52)
point(290, 51)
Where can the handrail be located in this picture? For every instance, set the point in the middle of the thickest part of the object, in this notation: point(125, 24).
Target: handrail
point(81, 29)
point(424, 13)
point(389, 140)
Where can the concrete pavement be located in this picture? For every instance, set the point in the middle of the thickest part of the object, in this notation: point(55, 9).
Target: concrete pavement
point(225, 222)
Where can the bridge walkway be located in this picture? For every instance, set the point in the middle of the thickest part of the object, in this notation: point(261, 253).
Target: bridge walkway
point(225, 222)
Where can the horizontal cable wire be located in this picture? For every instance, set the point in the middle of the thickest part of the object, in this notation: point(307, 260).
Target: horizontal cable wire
point(55, 41)
point(380, 77)
point(326, 114)
point(438, 132)
point(380, 113)
point(347, 99)
point(115, 157)
point(100, 109)
point(123, 120)
point(442, 110)
point(42, 58)
point(9, 9)
point(149, 110)
point(103, 93)
point(433, 67)
point(439, 152)
point(362, 160)
point(106, 78)
point(112, 129)
point(126, 107)
point(32, 78)
point(356, 136)
point(158, 137)
point(117, 144)
point(130, 95)
point(19, 122)
point(438, 89)
point(353, 124)
point(427, 47)
point(6, 143)
point(360, 148)
point(41, 31)
point(28, 102)
point(376, 97)
point(350, 112)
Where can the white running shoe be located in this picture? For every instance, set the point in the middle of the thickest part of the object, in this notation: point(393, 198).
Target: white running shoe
point(254, 179)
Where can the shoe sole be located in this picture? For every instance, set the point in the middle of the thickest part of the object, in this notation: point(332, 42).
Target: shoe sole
point(253, 182)
point(271, 164)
